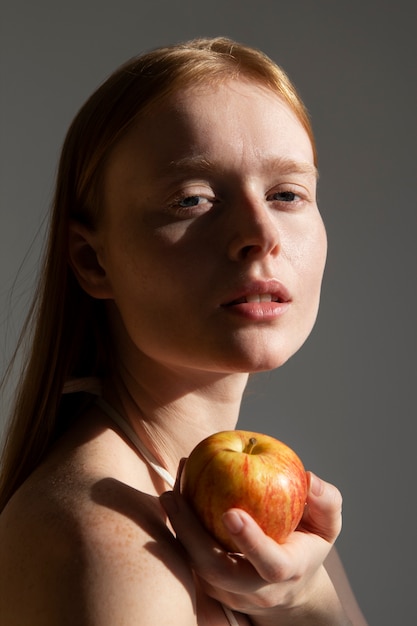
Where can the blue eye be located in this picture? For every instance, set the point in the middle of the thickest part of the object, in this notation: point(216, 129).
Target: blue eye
point(285, 196)
point(189, 201)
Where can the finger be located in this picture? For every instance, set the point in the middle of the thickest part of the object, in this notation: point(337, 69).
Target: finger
point(181, 464)
point(323, 512)
point(207, 557)
point(273, 562)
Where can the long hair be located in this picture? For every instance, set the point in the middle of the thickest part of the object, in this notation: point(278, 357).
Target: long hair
point(65, 330)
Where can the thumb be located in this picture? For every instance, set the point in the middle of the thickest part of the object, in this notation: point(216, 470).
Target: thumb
point(323, 512)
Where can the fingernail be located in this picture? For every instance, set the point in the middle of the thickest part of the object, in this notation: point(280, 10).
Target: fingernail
point(233, 522)
point(316, 485)
point(168, 502)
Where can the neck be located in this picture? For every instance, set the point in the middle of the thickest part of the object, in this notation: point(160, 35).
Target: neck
point(171, 410)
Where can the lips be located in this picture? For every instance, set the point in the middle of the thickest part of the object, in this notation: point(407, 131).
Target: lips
point(264, 297)
point(260, 292)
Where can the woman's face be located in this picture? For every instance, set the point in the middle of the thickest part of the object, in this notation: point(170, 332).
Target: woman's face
point(210, 237)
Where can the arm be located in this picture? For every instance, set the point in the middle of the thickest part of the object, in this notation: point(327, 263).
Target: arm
point(338, 576)
point(273, 584)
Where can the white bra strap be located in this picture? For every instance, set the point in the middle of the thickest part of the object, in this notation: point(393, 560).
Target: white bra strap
point(230, 616)
point(132, 436)
point(149, 458)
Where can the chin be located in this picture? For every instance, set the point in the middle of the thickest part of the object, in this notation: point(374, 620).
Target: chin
point(270, 356)
point(267, 365)
point(261, 361)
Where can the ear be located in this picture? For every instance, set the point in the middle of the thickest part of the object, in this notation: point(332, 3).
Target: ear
point(83, 246)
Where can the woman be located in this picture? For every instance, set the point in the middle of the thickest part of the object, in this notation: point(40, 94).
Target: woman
point(186, 250)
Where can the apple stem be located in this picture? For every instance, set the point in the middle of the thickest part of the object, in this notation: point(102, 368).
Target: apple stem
point(252, 443)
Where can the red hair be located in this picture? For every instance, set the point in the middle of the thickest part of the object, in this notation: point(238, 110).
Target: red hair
point(68, 327)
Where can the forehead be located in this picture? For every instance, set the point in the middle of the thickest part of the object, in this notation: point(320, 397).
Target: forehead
point(233, 122)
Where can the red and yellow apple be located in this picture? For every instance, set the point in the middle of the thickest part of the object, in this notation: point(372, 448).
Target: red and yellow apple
point(249, 471)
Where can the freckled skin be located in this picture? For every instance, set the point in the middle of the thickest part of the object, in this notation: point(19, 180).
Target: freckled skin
point(269, 483)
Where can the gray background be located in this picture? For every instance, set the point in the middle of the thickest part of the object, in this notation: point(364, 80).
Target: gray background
point(346, 402)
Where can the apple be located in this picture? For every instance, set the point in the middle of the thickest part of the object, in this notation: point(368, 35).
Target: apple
point(249, 471)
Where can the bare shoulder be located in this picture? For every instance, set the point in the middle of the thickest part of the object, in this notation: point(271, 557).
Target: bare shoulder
point(86, 547)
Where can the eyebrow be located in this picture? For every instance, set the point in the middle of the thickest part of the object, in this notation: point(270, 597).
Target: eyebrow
point(201, 164)
point(291, 166)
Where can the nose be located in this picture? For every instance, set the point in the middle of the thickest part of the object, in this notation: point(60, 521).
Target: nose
point(255, 231)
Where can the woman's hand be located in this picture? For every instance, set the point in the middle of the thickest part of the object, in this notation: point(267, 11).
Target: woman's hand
point(272, 583)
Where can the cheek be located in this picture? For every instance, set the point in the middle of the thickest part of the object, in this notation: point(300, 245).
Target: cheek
point(308, 263)
point(308, 257)
point(149, 274)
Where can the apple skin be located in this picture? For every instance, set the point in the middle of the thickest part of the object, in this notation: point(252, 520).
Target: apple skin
point(249, 471)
